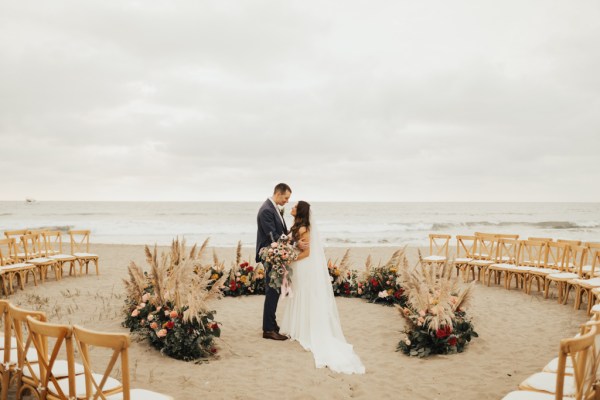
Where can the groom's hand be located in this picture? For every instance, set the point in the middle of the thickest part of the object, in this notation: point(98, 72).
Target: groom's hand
point(303, 244)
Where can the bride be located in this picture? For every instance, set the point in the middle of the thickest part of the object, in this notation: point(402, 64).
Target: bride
point(311, 315)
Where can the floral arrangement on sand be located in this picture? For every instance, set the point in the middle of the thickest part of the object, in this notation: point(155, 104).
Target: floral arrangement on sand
point(169, 304)
point(343, 279)
point(434, 310)
point(244, 278)
point(381, 284)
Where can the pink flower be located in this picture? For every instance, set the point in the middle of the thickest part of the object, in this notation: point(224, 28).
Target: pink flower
point(154, 325)
point(150, 317)
point(135, 313)
point(167, 313)
point(146, 297)
point(422, 313)
point(173, 314)
point(420, 321)
point(161, 333)
point(273, 245)
point(142, 305)
point(359, 291)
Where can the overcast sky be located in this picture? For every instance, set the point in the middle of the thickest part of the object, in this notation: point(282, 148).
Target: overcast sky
point(343, 100)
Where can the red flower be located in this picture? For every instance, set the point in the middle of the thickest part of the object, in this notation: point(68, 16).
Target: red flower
point(443, 332)
point(346, 285)
point(374, 282)
point(243, 265)
point(214, 326)
point(250, 268)
point(398, 293)
point(232, 286)
point(452, 341)
point(213, 350)
point(170, 324)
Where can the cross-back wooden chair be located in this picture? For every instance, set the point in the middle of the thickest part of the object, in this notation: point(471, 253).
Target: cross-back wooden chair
point(26, 363)
point(465, 248)
point(8, 343)
point(32, 246)
point(97, 384)
point(438, 249)
point(570, 242)
point(54, 245)
point(575, 258)
point(584, 288)
point(80, 248)
point(587, 269)
point(10, 267)
point(16, 234)
point(41, 249)
point(484, 254)
point(507, 252)
point(580, 350)
point(56, 378)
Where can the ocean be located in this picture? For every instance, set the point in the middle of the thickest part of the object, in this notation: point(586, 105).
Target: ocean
point(340, 224)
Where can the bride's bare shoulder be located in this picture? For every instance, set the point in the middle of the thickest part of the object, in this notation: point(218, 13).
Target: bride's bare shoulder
point(303, 231)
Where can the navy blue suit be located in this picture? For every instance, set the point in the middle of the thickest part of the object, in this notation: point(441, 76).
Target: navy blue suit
point(270, 228)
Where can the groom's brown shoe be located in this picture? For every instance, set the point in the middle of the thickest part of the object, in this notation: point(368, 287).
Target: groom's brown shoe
point(274, 335)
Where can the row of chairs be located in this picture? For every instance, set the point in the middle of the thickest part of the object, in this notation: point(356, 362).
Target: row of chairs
point(573, 374)
point(25, 252)
point(31, 360)
point(503, 258)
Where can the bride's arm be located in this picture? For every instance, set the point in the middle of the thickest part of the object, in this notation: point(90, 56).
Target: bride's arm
point(305, 236)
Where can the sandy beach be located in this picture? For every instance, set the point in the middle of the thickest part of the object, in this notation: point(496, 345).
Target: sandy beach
point(518, 335)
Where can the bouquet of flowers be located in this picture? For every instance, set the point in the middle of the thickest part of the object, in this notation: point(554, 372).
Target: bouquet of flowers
point(279, 256)
point(382, 284)
point(244, 280)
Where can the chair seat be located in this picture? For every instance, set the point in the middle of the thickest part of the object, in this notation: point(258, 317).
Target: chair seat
point(31, 355)
point(552, 366)
point(16, 266)
point(501, 266)
point(521, 268)
point(63, 257)
point(543, 271)
point(40, 260)
point(528, 395)
point(482, 263)
point(85, 255)
point(434, 258)
point(563, 276)
point(587, 283)
point(462, 260)
point(596, 308)
point(60, 369)
point(546, 382)
point(140, 394)
point(481, 254)
point(110, 384)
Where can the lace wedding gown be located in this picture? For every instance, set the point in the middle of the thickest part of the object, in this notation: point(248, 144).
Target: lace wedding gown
point(311, 316)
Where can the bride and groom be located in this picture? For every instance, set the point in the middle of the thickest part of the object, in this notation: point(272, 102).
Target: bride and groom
point(310, 315)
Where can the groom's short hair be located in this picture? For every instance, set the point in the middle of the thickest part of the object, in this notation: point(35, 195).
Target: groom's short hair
point(282, 188)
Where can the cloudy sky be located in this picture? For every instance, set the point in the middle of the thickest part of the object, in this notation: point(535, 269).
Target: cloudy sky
point(345, 100)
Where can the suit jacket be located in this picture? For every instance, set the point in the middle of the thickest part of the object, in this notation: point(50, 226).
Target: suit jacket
point(270, 226)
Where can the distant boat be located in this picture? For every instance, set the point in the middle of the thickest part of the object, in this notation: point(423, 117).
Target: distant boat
point(28, 200)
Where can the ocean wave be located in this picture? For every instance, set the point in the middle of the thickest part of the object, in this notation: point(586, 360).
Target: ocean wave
point(557, 225)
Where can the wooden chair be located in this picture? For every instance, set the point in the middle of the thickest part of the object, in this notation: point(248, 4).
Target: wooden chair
point(506, 259)
point(465, 247)
point(580, 350)
point(96, 385)
point(587, 269)
point(575, 257)
point(438, 249)
point(26, 355)
point(80, 248)
point(554, 258)
point(585, 287)
point(8, 343)
point(32, 246)
point(55, 379)
point(16, 234)
point(53, 243)
point(11, 268)
point(485, 250)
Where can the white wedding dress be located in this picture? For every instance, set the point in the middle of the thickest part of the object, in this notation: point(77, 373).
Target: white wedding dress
point(311, 316)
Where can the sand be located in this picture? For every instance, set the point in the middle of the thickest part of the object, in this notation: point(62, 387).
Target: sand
point(519, 334)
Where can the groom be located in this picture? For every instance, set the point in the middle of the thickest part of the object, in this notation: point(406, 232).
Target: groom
point(271, 226)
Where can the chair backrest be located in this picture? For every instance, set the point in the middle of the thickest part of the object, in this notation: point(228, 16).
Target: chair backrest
point(569, 242)
point(80, 241)
point(486, 245)
point(595, 261)
point(533, 253)
point(118, 343)
point(506, 235)
point(465, 246)
point(580, 350)
point(8, 252)
point(540, 239)
point(576, 259)
point(16, 234)
point(63, 341)
point(20, 329)
point(31, 246)
point(52, 241)
point(438, 244)
point(507, 251)
point(555, 255)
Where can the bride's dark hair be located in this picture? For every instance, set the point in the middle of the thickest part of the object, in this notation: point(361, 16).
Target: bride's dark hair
point(302, 218)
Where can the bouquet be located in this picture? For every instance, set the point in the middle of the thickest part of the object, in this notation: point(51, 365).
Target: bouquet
point(279, 256)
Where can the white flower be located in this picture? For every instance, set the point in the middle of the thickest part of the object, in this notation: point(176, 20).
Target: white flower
point(407, 341)
point(383, 294)
point(283, 237)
